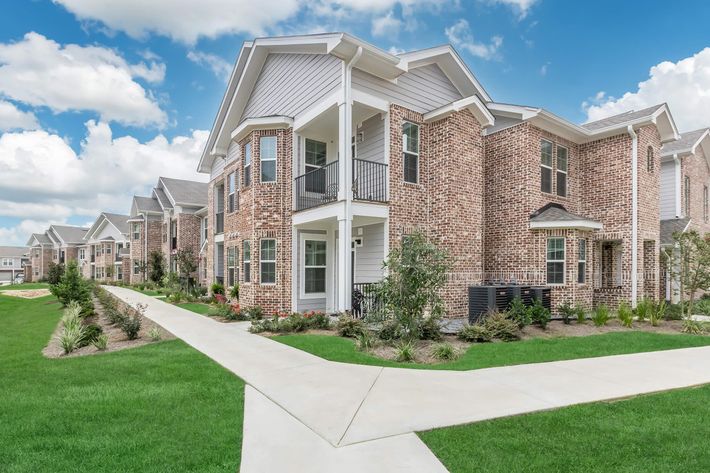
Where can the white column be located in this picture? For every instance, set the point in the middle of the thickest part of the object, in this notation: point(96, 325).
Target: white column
point(345, 226)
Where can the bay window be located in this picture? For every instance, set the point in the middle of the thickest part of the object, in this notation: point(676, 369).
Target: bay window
point(267, 158)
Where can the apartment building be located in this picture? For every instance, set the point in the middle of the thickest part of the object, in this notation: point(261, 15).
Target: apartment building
point(66, 240)
point(105, 254)
point(12, 262)
point(327, 152)
point(41, 250)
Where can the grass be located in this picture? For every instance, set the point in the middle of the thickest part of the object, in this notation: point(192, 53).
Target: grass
point(196, 307)
point(486, 355)
point(25, 285)
point(161, 407)
point(655, 433)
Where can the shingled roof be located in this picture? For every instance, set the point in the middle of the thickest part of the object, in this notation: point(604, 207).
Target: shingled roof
point(41, 238)
point(70, 233)
point(685, 144)
point(13, 251)
point(671, 226)
point(629, 116)
point(556, 216)
point(147, 204)
point(185, 192)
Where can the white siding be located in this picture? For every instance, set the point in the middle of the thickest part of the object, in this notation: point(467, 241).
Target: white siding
point(422, 89)
point(290, 83)
point(668, 192)
point(372, 148)
point(369, 257)
point(217, 168)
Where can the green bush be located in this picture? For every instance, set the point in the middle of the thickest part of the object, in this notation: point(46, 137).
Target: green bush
point(347, 326)
point(154, 334)
point(217, 288)
point(429, 328)
point(70, 337)
point(674, 312)
point(234, 292)
point(72, 287)
point(101, 342)
point(389, 330)
point(131, 324)
point(254, 312)
point(581, 313)
point(692, 327)
point(657, 313)
point(702, 306)
point(600, 316)
point(501, 327)
point(644, 308)
point(54, 273)
point(295, 322)
point(221, 309)
point(625, 315)
point(317, 320)
point(405, 351)
point(519, 313)
point(539, 314)
point(475, 333)
point(91, 333)
point(365, 341)
point(444, 352)
point(566, 312)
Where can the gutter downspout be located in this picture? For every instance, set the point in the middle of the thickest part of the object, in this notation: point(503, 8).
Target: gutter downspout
point(634, 215)
point(678, 207)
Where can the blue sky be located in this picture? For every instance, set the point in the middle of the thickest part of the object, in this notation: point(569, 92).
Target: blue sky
point(133, 87)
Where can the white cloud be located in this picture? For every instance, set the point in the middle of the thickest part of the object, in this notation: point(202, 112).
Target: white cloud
point(544, 68)
point(12, 118)
point(461, 36)
point(216, 64)
point(19, 234)
point(40, 72)
point(386, 26)
point(520, 7)
point(684, 85)
point(44, 179)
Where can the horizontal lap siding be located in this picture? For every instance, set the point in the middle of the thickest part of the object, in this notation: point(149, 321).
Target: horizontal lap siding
point(217, 168)
point(667, 190)
point(290, 83)
point(372, 147)
point(422, 89)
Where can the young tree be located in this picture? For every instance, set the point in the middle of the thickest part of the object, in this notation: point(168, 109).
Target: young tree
point(416, 272)
point(72, 286)
point(54, 273)
point(156, 266)
point(186, 265)
point(690, 266)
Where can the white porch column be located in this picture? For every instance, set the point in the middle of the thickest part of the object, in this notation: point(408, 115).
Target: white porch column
point(344, 280)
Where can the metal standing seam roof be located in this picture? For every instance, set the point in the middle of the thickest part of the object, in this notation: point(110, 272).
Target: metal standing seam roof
point(671, 226)
point(620, 118)
point(685, 143)
point(186, 192)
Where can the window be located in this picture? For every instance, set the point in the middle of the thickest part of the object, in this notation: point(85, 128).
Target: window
point(582, 262)
point(267, 257)
point(247, 164)
point(108, 249)
point(555, 260)
point(136, 267)
point(205, 227)
point(546, 166)
point(246, 260)
point(82, 254)
point(119, 272)
point(98, 250)
point(267, 157)
point(705, 204)
point(561, 171)
point(686, 196)
point(410, 146)
point(314, 267)
point(136, 231)
point(232, 191)
point(231, 265)
point(650, 162)
point(7, 262)
point(315, 159)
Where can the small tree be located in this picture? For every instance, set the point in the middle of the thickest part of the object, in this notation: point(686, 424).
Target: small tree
point(416, 272)
point(72, 286)
point(54, 273)
point(690, 266)
point(186, 265)
point(156, 266)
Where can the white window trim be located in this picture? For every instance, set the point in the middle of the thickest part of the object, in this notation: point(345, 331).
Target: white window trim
point(417, 154)
point(274, 159)
point(565, 172)
point(563, 261)
point(580, 260)
point(244, 261)
point(234, 266)
point(231, 177)
point(302, 265)
point(550, 167)
point(261, 260)
point(314, 167)
point(136, 231)
point(247, 167)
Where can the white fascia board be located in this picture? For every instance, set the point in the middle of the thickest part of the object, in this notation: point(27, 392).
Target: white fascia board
point(587, 225)
point(262, 123)
point(166, 191)
point(513, 111)
point(334, 210)
point(667, 128)
point(472, 103)
point(369, 100)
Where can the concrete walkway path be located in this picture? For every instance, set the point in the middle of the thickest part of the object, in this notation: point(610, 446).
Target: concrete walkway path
point(363, 417)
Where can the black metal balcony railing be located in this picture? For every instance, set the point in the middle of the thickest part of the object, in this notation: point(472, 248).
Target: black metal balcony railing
point(369, 181)
point(366, 300)
point(317, 187)
point(219, 222)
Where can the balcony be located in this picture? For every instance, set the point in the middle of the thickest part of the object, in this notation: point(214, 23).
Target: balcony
point(219, 222)
point(321, 186)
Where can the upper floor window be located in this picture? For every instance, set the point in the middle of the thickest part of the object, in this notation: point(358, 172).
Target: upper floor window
point(267, 259)
point(232, 189)
point(205, 227)
point(247, 164)
point(546, 166)
point(705, 204)
point(650, 162)
point(410, 147)
point(556, 260)
point(82, 254)
point(561, 171)
point(136, 231)
point(7, 262)
point(267, 157)
point(582, 262)
point(686, 196)
point(108, 248)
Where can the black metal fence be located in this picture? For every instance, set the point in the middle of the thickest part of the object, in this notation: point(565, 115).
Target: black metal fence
point(369, 181)
point(365, 300)
point(317, 187)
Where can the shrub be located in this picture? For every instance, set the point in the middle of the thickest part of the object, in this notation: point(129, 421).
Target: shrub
point(365, 341)
point(539, 314)
point(405, 351)
point(566, 312)
point(217, 288)
point(475, 333)
point(294, 322)
point(644, 309)
point(91, 333)
point(221, 309)
point(674, 312)
point(625, 315)
point(581, 313)
point(254, 312)
point(702, 306)
point(54, 273)
point(154, 334)
point(317, 320)
point(72, 287)
point(234, 292)
point(177, 297)
point(101, 342)
point(692, 327)
point(347, 326)
point(444, 352)
point(389, 330)
point(132, 322)
point(501, 327)
point(600, 316)
point(657, 313)
point(70, 337)
point(429, 329)
point(519, 313)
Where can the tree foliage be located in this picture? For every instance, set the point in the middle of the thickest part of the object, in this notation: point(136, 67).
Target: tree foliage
point(72, 287)
point(156, 266)
point(689, 264)
point(54, 273)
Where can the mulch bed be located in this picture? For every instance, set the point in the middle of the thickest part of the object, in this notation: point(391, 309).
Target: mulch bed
point(27, 293)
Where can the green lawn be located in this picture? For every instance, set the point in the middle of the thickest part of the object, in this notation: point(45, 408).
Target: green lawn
point(26, 285)
point(661, 433)
point(196, 307)
point(147, 292)
point(161, 407)
point(486, 355)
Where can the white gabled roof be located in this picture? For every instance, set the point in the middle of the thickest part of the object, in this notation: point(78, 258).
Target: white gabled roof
point(472, 103)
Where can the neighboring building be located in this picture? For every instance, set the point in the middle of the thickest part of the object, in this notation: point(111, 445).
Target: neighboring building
point(105, 255)
point(12, 262)
point(41, 249)
point(170, 220)
point(66, 240)
point(323, 136)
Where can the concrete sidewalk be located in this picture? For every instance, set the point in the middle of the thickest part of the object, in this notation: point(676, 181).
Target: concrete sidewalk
point(342, 405)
